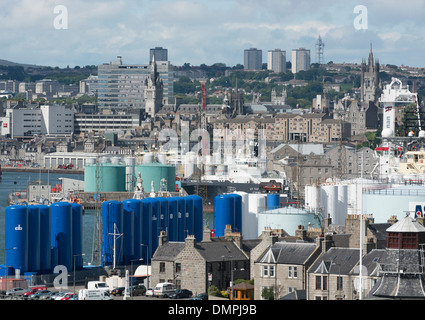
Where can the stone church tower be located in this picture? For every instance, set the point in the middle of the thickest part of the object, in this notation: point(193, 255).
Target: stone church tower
point(370, 85)
point(153, 93)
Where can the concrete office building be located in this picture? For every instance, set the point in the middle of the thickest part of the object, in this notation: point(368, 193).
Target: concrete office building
point(300, 60)
point(253, 59)
point(121, 87)
point(47, 120)
point(276, 60)
point(160, 53)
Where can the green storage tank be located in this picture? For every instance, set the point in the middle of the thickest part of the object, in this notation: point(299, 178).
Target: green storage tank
point(112, 178)
point(156, 172)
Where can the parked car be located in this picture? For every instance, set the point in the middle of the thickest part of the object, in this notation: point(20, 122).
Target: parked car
point(68, 296)
point(15, 291)
point(181, 293)
point(138, 290)
point(39, 294)
point(201, 296)
point(60, 295)
point(118, 291)
point(32, 290)
point(149, 292)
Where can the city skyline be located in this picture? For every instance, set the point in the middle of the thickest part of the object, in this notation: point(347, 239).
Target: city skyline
point(198, 32)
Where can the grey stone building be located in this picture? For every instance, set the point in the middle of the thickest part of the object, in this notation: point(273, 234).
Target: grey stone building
point(196, 265)
point(330, 277)
point(282, 268)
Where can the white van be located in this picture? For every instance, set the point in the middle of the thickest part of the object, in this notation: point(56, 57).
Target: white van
point(164, 289)
point(97, 285)
point(85, 294)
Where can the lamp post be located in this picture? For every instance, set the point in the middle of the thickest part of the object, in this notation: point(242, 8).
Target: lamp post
point(76, 255)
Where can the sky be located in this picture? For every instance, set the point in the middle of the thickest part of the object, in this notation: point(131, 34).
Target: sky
point(81, 32)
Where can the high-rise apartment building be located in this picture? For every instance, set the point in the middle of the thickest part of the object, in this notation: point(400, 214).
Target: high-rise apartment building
point(300, 60)
point(160, 53)
point(253, 59)
point(121, 86)
point(276, 60)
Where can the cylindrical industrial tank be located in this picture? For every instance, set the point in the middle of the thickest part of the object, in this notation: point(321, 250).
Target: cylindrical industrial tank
point(164, 217)
point(237, 219)
point(156, 216)
point(128, 235)
point(162, 158)
point(148, 158)
point(189, 217)
point(45, 255)
point(156, 172)
point(198, 216)
point(342, 208)
point(146, 229)
point(136, 206)
point(112, 222)
point(130, 177)
point(111, 178)
point(273, 201)
point(77, 235)
point(61, 232)
point(288, 219)
point(245, 209)
point(34, 238)
point(256, 204)
point(224, 212)
point(172, 218)
point(16, 237)
point(181, 219)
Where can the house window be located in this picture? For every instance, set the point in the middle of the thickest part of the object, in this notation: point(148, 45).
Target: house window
point(321, 282)
point(265, 271)
point(178, 267)
point(268, 271)
point(292, 272)
point(161, 267)
point(339, 283)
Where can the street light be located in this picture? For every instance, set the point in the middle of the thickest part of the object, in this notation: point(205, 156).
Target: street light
point(76, 255)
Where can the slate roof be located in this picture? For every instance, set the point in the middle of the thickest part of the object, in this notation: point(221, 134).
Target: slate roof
point(287, 253)
point(211, 251)
point(168, 251)
point(336, 261)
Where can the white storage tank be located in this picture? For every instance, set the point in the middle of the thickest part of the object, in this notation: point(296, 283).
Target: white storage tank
point(148, 158)
point(256, 204)
point(130, 179)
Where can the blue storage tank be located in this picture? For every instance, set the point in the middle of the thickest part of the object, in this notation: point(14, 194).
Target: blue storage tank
point(136, 206)
point(181, 219)
point(16, 237)
point(61, 232)
point(198, 206)
point(172, 219)
point(224, 212)
point(189, 217)
point(45, 255)
point(165, 212)
point(156, 216)
point(77, 235)
point(237, 218)
point(128, 235)
point(227, 211)
point(112, 221)
point(34, 239)
point(273, 201)
point(146, 230)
